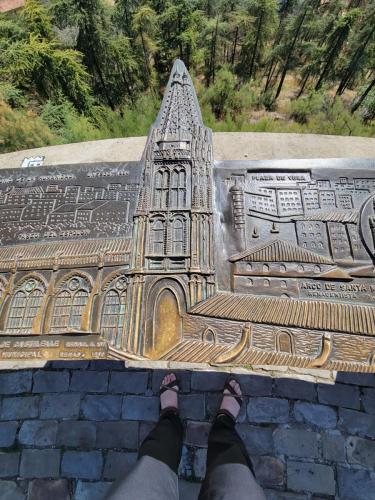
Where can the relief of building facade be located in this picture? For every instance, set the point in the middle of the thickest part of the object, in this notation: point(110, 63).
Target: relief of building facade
point(179, 258)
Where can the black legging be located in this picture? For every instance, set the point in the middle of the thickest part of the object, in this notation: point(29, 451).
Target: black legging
point(224, 444)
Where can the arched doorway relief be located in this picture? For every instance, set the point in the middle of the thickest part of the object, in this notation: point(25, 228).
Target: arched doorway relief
point(166, 305)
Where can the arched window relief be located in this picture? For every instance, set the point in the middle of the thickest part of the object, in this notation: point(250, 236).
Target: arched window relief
point(157, 233)
point(165, 190)
point(69, 304)
point(161, 189)
point(114, 310)
point(158, 189)
point(25, 303)
point(285, 342)
point(177, 236)
point(182, 189)
point(170, 188)
point(209, 335)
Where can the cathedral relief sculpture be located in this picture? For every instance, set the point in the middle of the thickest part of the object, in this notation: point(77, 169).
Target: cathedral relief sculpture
point(179, 258)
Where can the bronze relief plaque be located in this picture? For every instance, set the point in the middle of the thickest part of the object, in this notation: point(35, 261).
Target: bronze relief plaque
point(179, 258)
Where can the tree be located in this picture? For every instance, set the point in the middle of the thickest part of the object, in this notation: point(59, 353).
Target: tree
point(359, 45)
point(35, 63)
point(264, 13)
point(335, 43)
point(144, 26)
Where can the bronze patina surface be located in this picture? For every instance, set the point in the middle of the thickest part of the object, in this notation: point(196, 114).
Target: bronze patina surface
point(179, 258)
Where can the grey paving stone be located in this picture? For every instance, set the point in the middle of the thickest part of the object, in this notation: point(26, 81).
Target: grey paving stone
point(208, 381)
point(347, 396)
point(40, 463)
point(103, 407)
point(185, 469)
point(49, 381)
point(106, 364)
point(356, 422)
point(118, 464)
point(91, 491)
point(9, 490)
point(281, 495)
point(183, 376)
point(269, 471)
point(268, 410)
point(68, 365)
point(315, 414)
point(199, 463)
point(46, 489)
point(355, 484)
point(20, 407)
point(128, 382)
point(361, 451)
point(368, 400)
point(89, 381)
point(258, 440)
point(197, 433)
point(255, 385)
point(117, 435)
point(363, 379)
point(192, 406)
point(188, 490)
point(296, 443)
point(38, 432)
point(140, 408)
point(8, 432)
point(213, 400)
point(82, 464)
point(60, 406)
point(9, 464)
point(15, 382)
point(316, 478)
point(295, 389)
point(78, 434)
point(333, 446)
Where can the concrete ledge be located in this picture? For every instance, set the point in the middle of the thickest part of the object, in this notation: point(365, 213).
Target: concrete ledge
point(227, 146)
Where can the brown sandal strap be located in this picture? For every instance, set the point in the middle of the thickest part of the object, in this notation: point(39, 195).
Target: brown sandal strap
point(233, 393)
point(223, 411)
point(167, 387)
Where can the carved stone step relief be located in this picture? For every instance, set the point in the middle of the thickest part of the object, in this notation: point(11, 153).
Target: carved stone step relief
point(179, 258)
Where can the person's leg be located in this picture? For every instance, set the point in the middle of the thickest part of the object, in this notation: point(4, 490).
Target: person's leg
point(229, 470)
point(155, 474)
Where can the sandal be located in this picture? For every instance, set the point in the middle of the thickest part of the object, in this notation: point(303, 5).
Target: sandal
point(174, 386)
point(233, 394)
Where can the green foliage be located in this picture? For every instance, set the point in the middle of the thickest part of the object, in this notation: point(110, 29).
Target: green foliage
point(221, 94)
point(22, 130)
point(12, 95)
point(302, 109)
point(258, 65)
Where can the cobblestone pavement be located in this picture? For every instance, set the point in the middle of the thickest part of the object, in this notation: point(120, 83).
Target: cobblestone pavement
point(68, 430)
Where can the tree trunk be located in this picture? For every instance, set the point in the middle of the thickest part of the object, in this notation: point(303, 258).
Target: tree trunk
point(290, 52)
point(260, 20)
point(234, 46)
point(359, 101)
point(349, 73)
point(303, 84)
point(145, 53)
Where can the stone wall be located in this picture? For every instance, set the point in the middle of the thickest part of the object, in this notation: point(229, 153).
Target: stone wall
point(69, 429)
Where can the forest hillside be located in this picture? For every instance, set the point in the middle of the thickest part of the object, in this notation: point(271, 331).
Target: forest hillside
point(76, 70)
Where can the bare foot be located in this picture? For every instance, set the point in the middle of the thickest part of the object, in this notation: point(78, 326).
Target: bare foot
point(169, 398)
point(229, 402)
